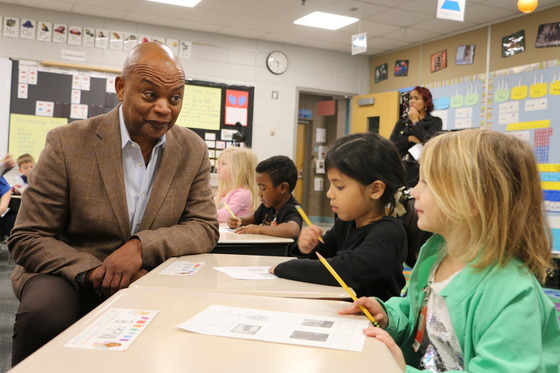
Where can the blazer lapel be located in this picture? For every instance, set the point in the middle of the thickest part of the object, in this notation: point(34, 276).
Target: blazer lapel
point(109, 158)
point(164, 176)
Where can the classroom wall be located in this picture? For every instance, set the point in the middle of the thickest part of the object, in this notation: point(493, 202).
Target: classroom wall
point(419, 56)
point(217, 58)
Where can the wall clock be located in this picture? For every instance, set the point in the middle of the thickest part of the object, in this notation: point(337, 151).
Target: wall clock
point(277, 62)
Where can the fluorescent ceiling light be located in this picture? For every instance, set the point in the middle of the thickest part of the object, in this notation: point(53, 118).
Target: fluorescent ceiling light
point(188, 3)
point(325, 20)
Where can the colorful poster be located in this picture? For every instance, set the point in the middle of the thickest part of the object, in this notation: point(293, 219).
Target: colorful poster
point(237, 104)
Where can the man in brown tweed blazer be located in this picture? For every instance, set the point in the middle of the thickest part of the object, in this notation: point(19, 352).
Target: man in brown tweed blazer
point(111, 198)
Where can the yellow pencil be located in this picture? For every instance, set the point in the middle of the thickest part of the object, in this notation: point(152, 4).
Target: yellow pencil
point(345, 287)
point(227, 207)
point(306, 220)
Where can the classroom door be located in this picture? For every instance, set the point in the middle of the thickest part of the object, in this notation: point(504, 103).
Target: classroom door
point(300, 156)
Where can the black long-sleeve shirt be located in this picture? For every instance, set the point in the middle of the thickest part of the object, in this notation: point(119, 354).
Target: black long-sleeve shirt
point(369, 259)
point(424, 129)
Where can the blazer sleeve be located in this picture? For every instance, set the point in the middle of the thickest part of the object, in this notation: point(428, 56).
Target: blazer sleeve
point(427, 128)
point(35, 242)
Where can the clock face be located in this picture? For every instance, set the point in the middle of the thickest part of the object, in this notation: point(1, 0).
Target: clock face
point(277, 62)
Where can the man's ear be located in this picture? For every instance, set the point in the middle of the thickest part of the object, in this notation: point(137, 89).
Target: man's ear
point(377, 188)
point(119, 87)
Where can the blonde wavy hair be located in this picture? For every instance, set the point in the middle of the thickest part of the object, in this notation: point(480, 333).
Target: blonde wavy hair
point(242, 163)
point(487, 185)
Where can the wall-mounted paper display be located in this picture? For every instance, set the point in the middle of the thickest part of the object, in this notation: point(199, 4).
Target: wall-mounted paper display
point(520, 91)
point(537, 90)
point(102, 39)
point(116, 40)
point(320, 166)
point(130, 41)
point(28, 29)
point(548, 35)
point(89, 37)
point(185, 48)
point(501, 94)
point(465, 55)
point(60, 33)
point(44, 31)
point(513, 44)
point(11, 27)
point(144, 39)
point(75, 35)
point(173, 44)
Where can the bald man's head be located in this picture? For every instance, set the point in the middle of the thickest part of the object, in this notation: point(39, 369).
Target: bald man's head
point(150, 52)
point(151, 90)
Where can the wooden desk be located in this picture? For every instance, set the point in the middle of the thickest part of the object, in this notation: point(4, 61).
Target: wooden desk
point(210, 280)
point(251, 244)
point(163, 347)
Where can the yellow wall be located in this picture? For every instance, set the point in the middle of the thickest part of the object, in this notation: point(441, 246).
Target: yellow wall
point(419, 56)
point(386, 107)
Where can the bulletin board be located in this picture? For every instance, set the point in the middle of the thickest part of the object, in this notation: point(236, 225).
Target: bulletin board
point(460, 103)
point(525, 102)
point(43, 98)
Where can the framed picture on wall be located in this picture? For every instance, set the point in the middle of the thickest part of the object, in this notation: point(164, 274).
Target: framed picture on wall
point(465, 55)
point(548, 35)
point(513, 44)
point(380, 73)
point(438, 61)
point(401, 68)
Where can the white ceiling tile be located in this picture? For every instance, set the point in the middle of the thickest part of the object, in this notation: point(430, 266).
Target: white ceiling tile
point(98, 12)
point(242, 32)
point(481, 13)
point(193, 25)
point(399, 17)
point(423, 6)
point(443, 26)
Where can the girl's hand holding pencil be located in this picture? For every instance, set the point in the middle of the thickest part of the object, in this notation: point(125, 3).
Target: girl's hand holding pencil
point(309, 239)
point(372, 305)
point(234, 222)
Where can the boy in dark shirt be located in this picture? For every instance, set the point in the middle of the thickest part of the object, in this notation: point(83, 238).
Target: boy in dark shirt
point(277, 214)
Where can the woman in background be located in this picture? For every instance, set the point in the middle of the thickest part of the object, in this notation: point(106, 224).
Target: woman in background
point(415, 128)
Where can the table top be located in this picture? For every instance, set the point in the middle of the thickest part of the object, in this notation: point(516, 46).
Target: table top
point(211, 280)
point(163, 347)
point(228, 237)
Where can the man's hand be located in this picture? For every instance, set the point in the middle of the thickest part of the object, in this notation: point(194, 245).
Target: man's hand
point(94, 278)
point(121, 267)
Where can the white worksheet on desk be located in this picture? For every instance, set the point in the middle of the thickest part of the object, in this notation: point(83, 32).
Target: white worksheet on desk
point(280, 327)
point(247, 272)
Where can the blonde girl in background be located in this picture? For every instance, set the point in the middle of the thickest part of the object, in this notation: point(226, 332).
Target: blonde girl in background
point(236, 183)
point(475, 303)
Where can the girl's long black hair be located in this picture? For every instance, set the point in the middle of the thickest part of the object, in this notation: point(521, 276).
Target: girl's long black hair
point(368, 157)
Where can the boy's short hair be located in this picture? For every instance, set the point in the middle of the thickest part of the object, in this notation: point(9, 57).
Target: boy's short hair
point(280, 169)
point(25, 158)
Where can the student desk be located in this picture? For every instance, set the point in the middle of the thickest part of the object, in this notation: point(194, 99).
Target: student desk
point(210, 280)
point(162, 347)
point(251, 244)
point(15, 202)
